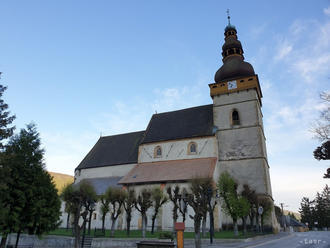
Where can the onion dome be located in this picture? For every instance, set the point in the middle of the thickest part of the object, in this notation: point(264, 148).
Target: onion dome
point(234, 65)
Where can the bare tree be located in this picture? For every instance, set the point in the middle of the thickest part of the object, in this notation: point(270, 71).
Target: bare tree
point(79, 197)
point(116, 197)
point(142, 204)
point(159, 199)
point(104, 209)
point(129, 202)
point(174, 196)
point(321, 129)
point(183, 206)
point(198, 200)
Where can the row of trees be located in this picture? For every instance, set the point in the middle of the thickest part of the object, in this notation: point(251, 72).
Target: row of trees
point(28, 197)
point(316, 212)
point(81, 201)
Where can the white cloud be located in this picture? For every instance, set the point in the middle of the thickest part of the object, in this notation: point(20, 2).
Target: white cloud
point(305, 49)
point(327, 11)
point(283, 50)
point(307, 67)
point(297, 27)
point(256, 31)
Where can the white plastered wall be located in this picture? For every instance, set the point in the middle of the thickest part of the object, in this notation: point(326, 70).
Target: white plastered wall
point(178, 149)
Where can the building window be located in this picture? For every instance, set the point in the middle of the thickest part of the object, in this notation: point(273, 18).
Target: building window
point(158, 152)
point(192, 148)
point(235, 117)
point(94, 216)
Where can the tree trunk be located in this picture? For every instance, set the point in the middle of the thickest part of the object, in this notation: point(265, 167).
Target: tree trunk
point(153, 224)
point(197, 227)
point(68, 221)
point(3, 240)
point(76, 229)
point(235, 228)
point(184, 217)
point(128, 224)
point(112, 234)
point(90, 222)
point(84, 234)
point(143, 226)
point(103, 221)
point(204, 227)
point(17, 238)
point(244, 225)
point(146, 222)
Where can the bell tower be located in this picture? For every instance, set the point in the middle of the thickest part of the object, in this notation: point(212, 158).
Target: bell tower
point(237, 115)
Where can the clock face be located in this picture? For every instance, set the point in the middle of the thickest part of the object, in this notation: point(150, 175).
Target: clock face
point(232, 85)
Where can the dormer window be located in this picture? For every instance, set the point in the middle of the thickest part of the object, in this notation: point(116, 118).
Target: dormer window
point(192, 148)
point(235, 118)
point(158, 152)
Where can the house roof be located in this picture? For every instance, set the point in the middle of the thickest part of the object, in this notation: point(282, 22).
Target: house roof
point(101, 184)
point(113, 150)
point(184, 123)
point(166, 171)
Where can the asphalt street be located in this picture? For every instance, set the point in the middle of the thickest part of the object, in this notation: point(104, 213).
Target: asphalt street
point(315, 239)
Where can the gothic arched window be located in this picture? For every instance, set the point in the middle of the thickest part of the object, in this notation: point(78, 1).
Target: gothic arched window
point(158, 152)
point(235, 117)
point(192, 148)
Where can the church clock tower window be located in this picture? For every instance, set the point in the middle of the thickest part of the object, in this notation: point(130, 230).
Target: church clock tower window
point(235, 118)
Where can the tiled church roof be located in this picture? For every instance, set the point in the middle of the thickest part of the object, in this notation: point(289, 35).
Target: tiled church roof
point(123, 148)
point(169, 171)
point(180, 124)
point(101, 184)
point(113, 150)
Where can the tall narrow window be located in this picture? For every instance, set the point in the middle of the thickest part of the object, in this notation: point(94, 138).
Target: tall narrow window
point(192, 148)
point(235, 118)
point(158, 152)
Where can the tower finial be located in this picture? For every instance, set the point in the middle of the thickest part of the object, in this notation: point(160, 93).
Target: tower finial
point(228, 16)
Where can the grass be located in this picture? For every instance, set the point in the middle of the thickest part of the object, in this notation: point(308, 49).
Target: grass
point(138, 234)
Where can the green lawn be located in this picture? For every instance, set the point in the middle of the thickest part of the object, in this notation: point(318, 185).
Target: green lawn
point(138, 234)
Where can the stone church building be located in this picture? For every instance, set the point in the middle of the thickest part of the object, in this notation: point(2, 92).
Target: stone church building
point(203, 141)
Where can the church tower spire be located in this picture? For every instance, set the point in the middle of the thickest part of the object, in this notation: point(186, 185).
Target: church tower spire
point(237, 117)
point(234, 65)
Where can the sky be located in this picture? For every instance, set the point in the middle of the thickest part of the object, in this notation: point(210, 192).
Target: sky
point(81, 69)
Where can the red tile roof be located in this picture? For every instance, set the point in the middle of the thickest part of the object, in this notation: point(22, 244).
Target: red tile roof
point(166, 171)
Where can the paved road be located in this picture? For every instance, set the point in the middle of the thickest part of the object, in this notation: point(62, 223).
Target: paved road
point(315, 239)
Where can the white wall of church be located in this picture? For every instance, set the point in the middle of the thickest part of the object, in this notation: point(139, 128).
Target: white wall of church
point(178, 149)
point(106, 171)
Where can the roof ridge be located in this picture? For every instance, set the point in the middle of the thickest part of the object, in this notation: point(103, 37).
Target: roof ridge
point(122, 134)
point(181, 109)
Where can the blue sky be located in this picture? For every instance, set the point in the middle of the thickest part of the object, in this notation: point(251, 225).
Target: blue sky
point(82, 68)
